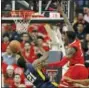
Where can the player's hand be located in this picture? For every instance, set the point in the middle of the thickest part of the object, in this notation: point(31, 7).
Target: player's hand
point(68, 79)
point(17, 56)
point(78, 85)
point(60, 9)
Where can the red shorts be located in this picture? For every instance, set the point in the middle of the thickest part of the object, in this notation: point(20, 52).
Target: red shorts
point(76, 72)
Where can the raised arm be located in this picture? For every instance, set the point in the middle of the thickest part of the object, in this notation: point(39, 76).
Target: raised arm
point(69, 54)
point(70, 28)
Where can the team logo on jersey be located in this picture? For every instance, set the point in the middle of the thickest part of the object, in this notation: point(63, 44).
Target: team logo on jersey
point(52, 73)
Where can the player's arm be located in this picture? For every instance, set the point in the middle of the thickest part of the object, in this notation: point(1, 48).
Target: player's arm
point(40, 60)
point(59, 63)
point(82, 81)
point(69, 54)
point(70, 28)
point(80, 85)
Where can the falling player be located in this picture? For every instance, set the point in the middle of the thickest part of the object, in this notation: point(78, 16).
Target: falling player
point(34, 74)
point(32, 71)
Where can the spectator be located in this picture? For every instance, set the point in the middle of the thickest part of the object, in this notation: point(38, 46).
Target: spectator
point(2, 78)
point(8, 57)
point(80, 31)
point(5, 43)
point(3, 28)
point(10, 31)
point(4, 66)
point(17, 81)
point(86, 16)
point(87, 37)
point(8, 77)
point(85, 43)
point(14, 34)
point(41, 29)
point(24, 38)
point(20, 71)
point(34, 35)
point(29, 53)
point(87, 58)
point(42, 47)
point(8, 7)
point(85, 10)
point(80, 20)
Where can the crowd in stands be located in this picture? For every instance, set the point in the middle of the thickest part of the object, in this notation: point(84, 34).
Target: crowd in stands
point(34, 43)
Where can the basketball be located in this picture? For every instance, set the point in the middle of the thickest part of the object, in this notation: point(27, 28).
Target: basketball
point(15, 46)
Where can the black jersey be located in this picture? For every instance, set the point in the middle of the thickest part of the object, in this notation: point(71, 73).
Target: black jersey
point(37, 77)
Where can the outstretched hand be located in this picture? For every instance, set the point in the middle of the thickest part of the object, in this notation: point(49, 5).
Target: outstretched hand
point(68, 79)
point(60, 9)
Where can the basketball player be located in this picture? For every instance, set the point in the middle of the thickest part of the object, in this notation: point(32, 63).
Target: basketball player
point(74, 55)
point(34, 74)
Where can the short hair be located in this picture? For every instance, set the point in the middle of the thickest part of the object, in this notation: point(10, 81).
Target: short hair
point(21, 62)
point(24, 33)
point(17, 74)
point(28, 42)
point(80, 24)
point(34, 30)
point(71, 35)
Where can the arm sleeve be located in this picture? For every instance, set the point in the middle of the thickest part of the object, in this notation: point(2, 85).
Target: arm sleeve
point(59, 63)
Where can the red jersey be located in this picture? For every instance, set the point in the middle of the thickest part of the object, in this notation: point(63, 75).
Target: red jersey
point(78, 58)
point(78, 71)
point(31, 57)
point(3, 67)
point(4, 46)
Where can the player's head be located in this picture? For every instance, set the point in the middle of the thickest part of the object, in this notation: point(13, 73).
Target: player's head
point(21, 62)
point(71, 36)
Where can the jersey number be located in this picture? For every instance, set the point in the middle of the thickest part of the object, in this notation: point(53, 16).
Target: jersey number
point(31, 77)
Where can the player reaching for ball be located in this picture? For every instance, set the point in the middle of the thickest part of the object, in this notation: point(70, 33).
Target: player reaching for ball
point(34, 74)
point(74, 55)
